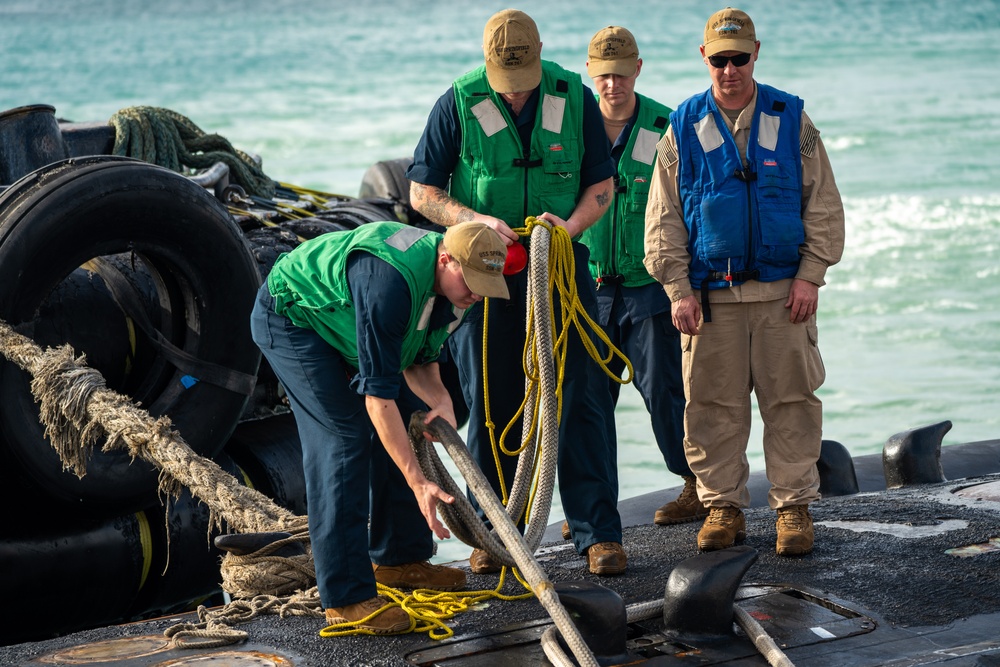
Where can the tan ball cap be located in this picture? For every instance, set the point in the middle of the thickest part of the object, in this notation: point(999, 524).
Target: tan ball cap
point(612, 51)
point(513, 52)
point(482, 253)
point(729, 30)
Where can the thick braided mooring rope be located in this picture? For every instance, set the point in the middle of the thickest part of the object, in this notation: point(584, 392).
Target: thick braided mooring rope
point(78, 410)
point(168, 139)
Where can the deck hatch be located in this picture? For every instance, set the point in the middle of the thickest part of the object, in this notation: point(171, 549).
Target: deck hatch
point(797, 618)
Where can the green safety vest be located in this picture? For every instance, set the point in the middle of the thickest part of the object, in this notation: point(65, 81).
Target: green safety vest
point(616, 240)
point(309, 286)
point(498, 176)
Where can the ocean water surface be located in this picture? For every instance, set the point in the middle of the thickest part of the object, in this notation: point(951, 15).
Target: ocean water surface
point(904, 93)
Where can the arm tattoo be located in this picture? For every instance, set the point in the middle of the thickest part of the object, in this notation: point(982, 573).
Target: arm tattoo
point(437, 206)
point(603, 198)
point(420, 200)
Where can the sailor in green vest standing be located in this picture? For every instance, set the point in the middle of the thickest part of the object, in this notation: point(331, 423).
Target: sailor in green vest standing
point(516, 137)
point(634, 309)
point(352, 326)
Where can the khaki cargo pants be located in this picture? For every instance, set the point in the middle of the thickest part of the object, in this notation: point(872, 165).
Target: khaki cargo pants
point(753, 347)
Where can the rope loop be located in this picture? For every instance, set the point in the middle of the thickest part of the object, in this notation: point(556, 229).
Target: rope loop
point(553, 272)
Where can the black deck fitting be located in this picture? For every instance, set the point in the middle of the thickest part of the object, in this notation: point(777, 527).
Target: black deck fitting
point(29, 140)
point(700, 594)
point(241, 544)
point(836, 470)
point(914, 456)
point(599, 614)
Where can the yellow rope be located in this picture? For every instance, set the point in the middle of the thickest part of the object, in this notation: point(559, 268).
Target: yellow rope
point(428, 609)
point(315, 195)
point(561, 279)
point(264, 222)
point(562, 271)
point(294, 212)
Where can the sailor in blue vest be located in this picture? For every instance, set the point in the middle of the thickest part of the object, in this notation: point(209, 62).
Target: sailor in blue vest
point(743, 220)
point(352, 324)
point(518, 137)
point(634, 309)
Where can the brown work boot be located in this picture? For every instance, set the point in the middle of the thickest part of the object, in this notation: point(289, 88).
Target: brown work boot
point(795, 531)
point(606, 559)
point(481, 562)
point(421, 574)
point(392, 619)
point(724, 527)
point(566, 533)
point(686, 508)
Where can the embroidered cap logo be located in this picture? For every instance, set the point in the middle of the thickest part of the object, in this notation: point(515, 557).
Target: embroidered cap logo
point(493, 262)
point(728, 29)
point(512, 56)
point(612, 48)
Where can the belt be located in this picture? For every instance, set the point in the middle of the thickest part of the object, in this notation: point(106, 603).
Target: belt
point(727, 276)
point(610, 279)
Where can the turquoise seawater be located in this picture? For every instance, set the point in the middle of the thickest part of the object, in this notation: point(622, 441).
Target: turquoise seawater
point(905, 94)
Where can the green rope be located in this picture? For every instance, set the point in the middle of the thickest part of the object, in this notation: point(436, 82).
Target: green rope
point(166, 138)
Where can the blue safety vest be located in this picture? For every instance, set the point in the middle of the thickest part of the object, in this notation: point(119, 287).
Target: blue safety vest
point(744, 217)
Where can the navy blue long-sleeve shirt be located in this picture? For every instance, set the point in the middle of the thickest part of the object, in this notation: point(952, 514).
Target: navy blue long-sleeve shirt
point(382, 308)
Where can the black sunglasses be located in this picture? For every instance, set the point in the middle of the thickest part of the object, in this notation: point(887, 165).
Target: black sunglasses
point(719, 62)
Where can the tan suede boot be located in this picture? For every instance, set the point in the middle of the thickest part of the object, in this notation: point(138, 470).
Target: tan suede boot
point(724, 527)
point(606, 559)
point(795, 531)
point(420, 574)
point(391, 620)
point(686, 508)
point(480, 562)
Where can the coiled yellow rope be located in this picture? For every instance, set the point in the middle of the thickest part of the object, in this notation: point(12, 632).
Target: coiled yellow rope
point(315, 196)
point(562, 272)
point(429, 609)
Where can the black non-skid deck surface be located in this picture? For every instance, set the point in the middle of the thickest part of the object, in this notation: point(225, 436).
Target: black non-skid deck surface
point(882, 554)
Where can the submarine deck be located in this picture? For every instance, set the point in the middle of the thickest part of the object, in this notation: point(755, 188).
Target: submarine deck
point(905, 576)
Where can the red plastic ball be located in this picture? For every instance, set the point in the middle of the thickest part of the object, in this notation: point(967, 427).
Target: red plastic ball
point(517, 259)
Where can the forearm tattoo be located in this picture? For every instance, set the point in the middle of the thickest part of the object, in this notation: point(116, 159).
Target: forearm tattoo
point(437, 206)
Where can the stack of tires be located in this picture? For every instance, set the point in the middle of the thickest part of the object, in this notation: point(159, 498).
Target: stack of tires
point(149, 276)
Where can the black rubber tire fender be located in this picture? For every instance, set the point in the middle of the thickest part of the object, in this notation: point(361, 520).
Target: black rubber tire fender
point(58, 218)
point(387, 178)
point(353, 213)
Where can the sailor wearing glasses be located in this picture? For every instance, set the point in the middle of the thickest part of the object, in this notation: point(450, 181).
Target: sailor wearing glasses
point(742, 222)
